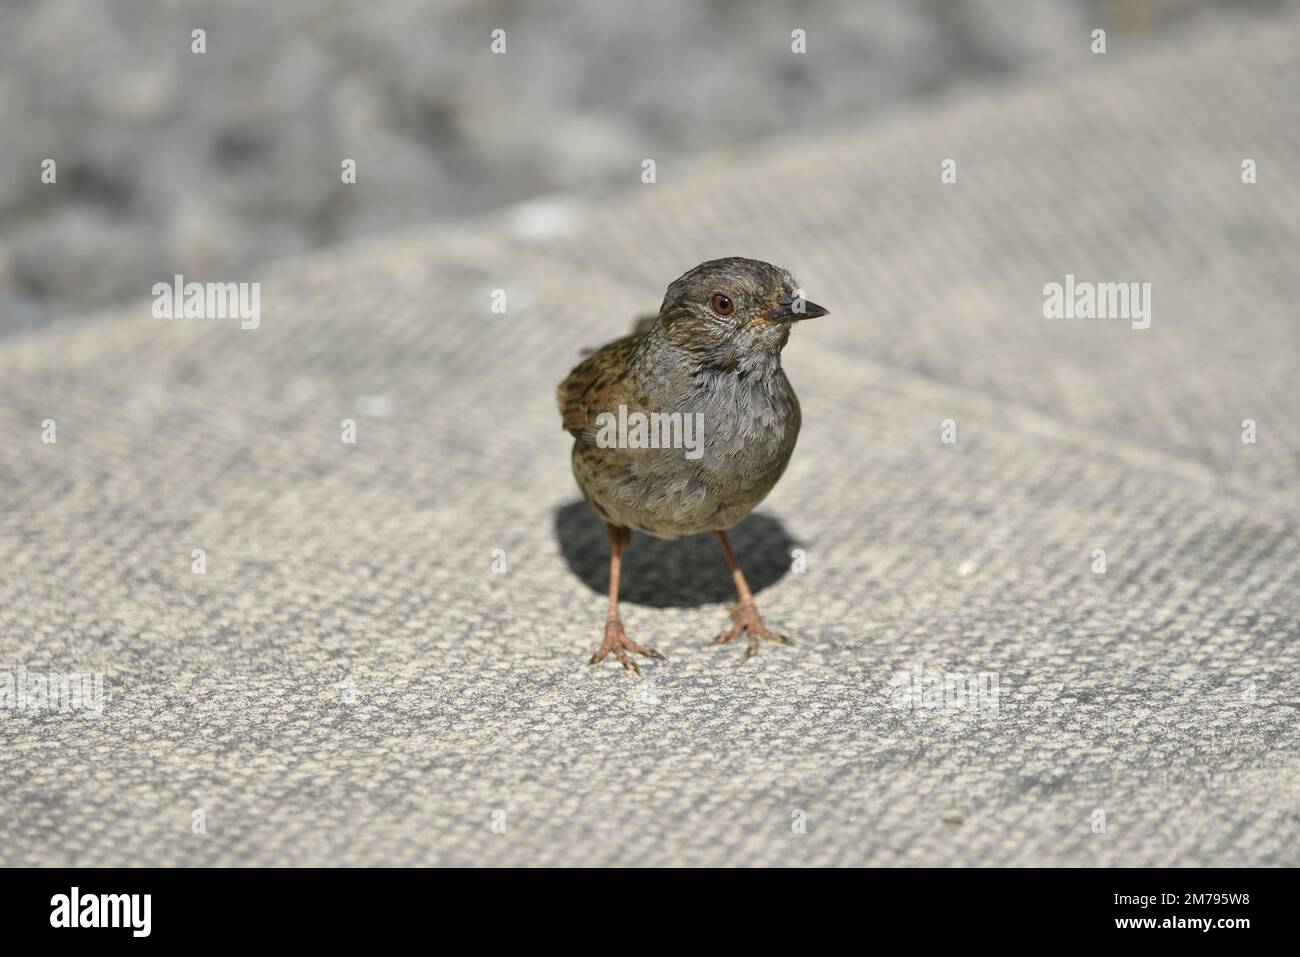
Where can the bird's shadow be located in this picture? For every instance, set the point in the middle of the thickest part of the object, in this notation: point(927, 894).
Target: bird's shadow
point(678, 573)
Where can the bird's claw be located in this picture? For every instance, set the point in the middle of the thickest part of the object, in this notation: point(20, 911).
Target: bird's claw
point(745, 616)
point(617, 641)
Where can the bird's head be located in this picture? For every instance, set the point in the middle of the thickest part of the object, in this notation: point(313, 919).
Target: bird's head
point(733, 312)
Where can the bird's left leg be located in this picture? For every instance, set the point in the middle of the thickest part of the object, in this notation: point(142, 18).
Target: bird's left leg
point(744, 613)
point(616, 639)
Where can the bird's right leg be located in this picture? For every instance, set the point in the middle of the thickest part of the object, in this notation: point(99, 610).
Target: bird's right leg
point(616, 640)
point(744, 613)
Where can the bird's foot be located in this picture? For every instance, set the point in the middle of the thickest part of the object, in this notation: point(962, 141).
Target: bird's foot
point(617, 641)
point(745, 616)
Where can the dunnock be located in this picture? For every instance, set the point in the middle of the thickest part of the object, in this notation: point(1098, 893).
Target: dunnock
point(685, 425)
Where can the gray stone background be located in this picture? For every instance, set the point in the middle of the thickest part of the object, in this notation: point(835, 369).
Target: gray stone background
point(207, 165)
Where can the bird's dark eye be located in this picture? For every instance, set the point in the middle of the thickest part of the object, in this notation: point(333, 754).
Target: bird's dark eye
point(722, 304)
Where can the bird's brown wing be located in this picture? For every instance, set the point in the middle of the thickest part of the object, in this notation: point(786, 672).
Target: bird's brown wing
point(595, 384)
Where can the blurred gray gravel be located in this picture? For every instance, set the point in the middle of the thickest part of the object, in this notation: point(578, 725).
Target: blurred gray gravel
point(170, 161)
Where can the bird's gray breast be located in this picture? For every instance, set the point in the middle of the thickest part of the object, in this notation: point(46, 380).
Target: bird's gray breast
point(746, 431)
point(750, 427)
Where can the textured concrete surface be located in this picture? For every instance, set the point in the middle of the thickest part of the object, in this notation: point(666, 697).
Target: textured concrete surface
point(351, 682)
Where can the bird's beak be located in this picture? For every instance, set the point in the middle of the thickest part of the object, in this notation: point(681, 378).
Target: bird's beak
point(794, 308)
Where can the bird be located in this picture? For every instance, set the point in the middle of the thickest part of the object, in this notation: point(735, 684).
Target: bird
point(684, 426)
